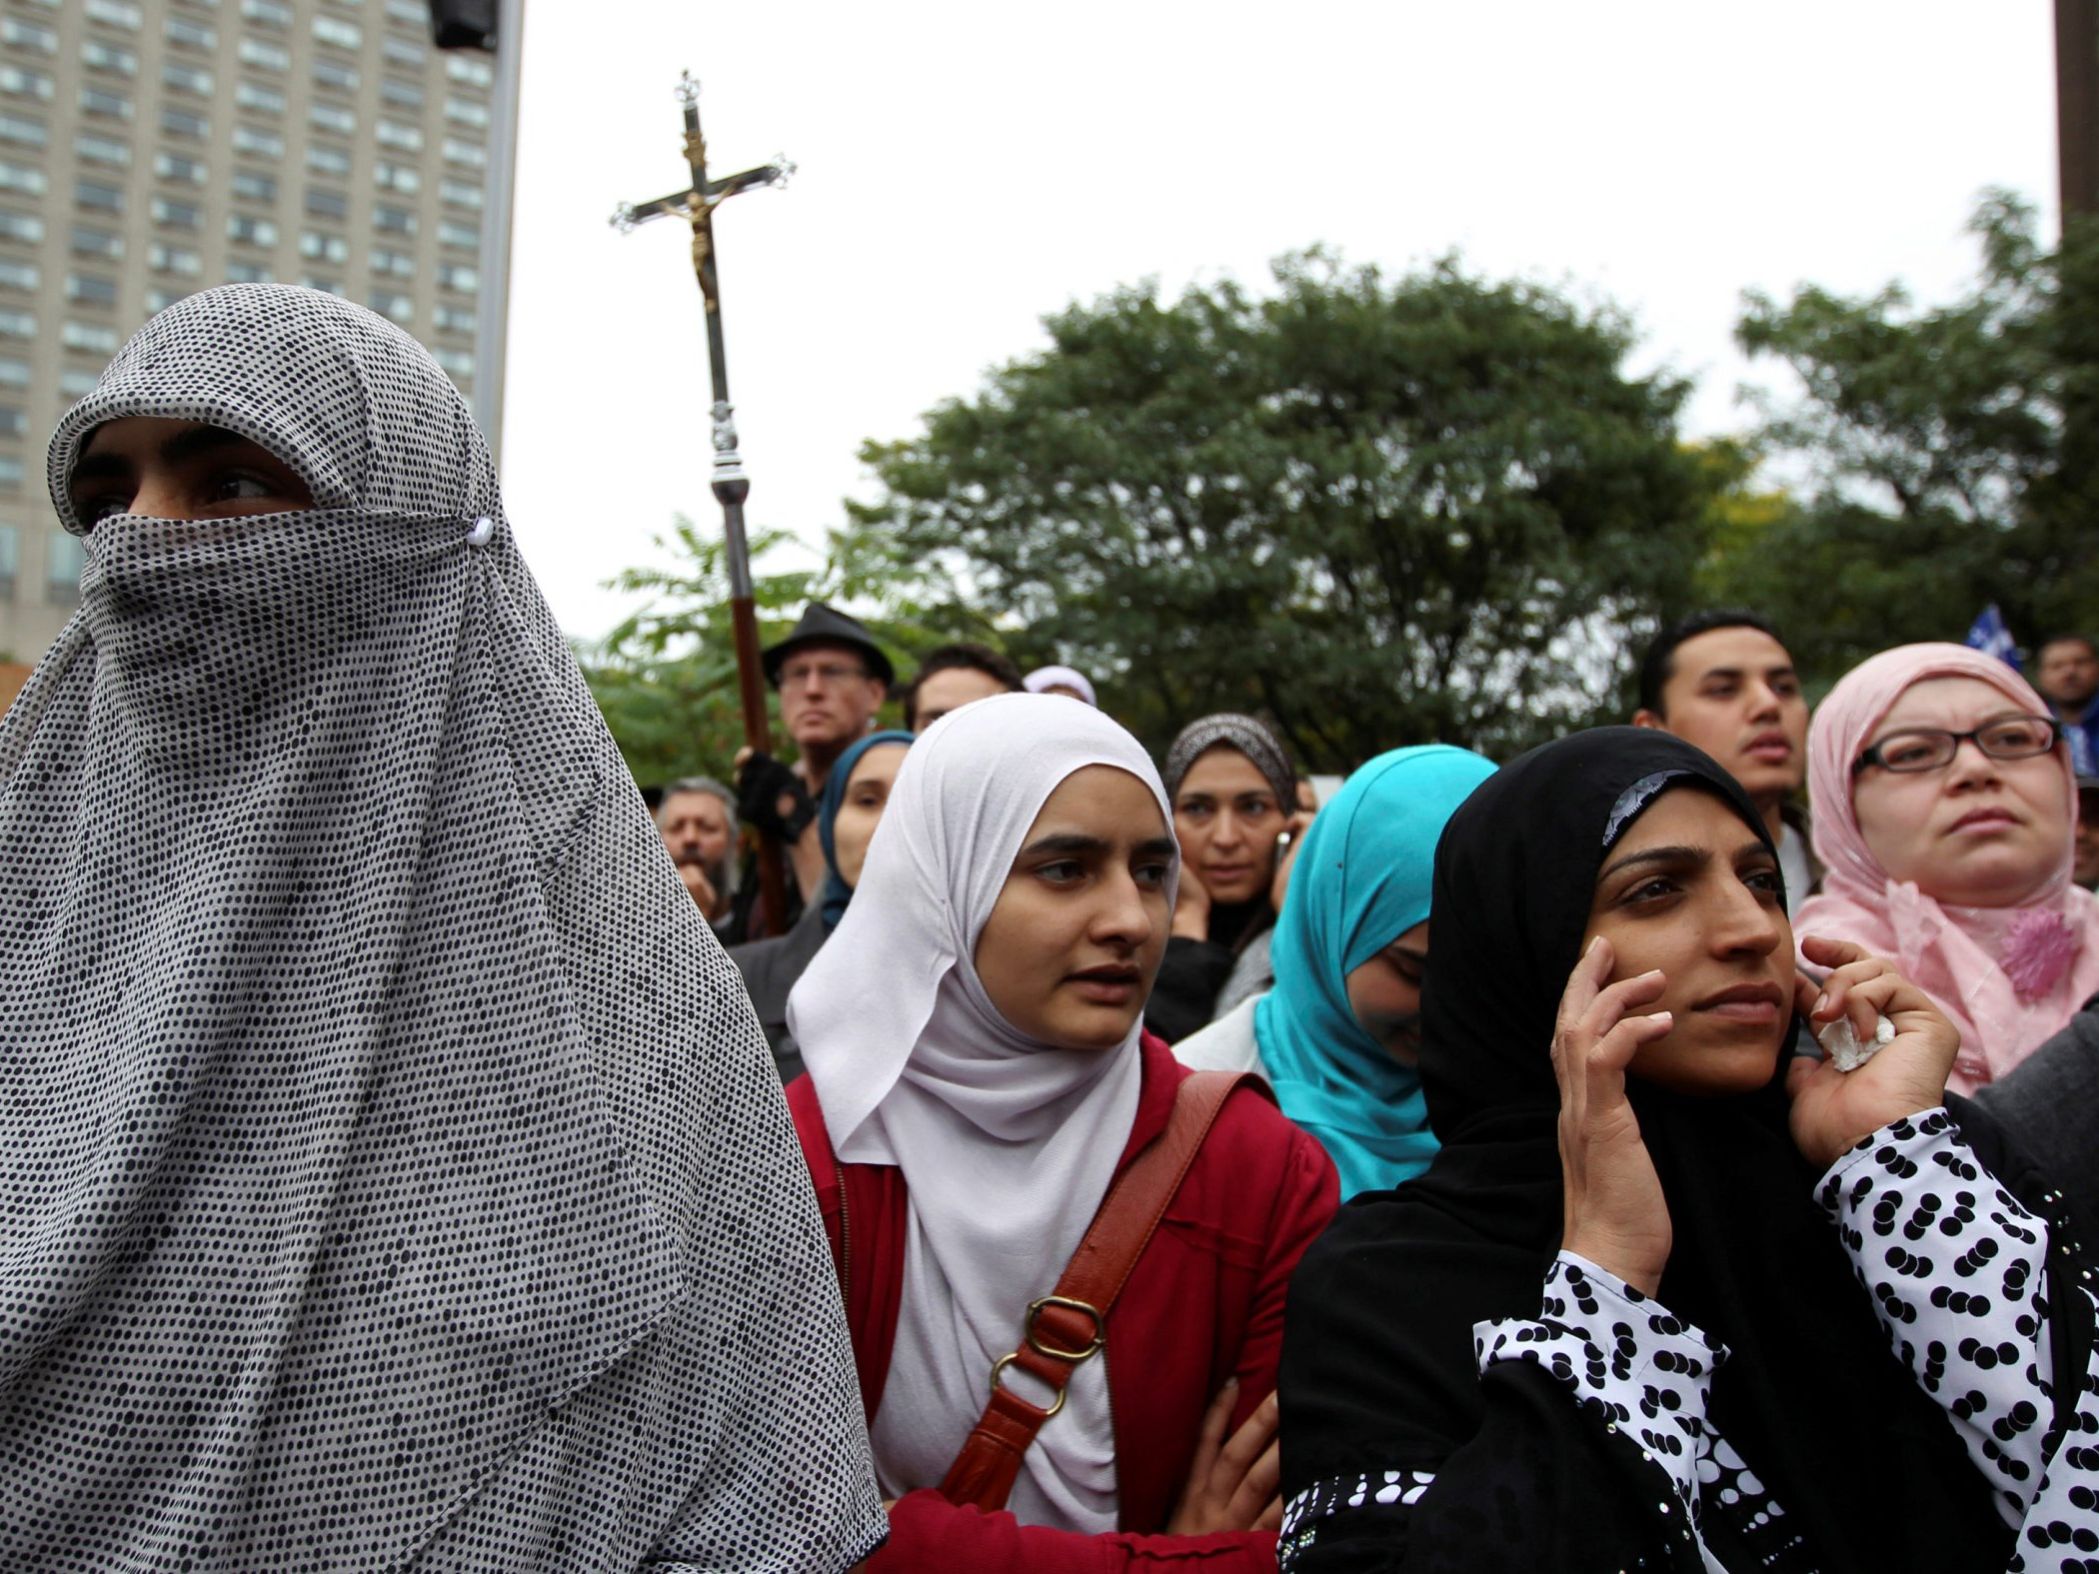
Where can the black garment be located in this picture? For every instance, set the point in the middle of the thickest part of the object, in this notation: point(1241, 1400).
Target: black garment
point(1193, 972)
point(770, 970)
point(747, 908)
point(1379, 1372)
point(2049, 1103)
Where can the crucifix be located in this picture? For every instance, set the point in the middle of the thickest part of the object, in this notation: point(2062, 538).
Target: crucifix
point(696, 205)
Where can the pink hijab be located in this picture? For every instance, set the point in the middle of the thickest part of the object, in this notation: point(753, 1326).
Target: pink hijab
point(2009, 977)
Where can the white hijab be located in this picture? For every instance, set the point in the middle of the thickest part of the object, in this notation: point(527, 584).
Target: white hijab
point(1007, 1143)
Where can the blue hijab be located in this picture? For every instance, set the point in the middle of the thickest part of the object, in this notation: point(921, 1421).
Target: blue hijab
point(1361, 881)
point(836, 893)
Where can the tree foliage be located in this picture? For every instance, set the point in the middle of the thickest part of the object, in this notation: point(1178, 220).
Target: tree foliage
point(1948, 455)
point(1389, 510)
point(665, 677)
point(1378, 511)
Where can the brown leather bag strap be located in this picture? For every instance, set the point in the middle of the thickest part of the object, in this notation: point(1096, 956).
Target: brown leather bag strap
point(1070, 1324)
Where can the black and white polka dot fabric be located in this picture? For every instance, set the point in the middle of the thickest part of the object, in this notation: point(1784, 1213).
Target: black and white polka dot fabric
point(1637, 1369)
point(1303, 1514)
point(1955, 1265)
point(392, 1173)
point(1955, 1268)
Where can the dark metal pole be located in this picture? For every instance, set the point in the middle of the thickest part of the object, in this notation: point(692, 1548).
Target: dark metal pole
point(731, 486)
point(2077, 105)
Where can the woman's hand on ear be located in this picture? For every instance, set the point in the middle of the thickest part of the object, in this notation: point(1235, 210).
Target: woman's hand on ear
point(1614, 1211)
point(1834, 1110)
point(1286, 860)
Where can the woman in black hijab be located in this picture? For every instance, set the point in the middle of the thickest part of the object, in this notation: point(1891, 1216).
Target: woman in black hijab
point(1613, 1324)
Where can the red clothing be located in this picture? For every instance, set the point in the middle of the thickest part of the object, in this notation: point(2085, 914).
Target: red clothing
point(1204, 1303)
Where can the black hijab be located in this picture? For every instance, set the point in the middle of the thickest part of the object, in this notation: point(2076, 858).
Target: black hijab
point(1378, 1369)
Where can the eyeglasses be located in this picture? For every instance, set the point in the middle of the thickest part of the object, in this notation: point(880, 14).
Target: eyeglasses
point(1933, 748)
point(827, 674)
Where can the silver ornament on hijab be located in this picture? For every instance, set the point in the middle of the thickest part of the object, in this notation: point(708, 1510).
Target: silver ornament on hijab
point(394, 1171)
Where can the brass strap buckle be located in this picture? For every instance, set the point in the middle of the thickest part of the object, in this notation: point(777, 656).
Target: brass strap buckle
point(1050, 1351)
point(998, 1369)
point(1092, 1345)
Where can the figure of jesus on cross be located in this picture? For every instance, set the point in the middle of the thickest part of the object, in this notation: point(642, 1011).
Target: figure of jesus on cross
point(731, 485)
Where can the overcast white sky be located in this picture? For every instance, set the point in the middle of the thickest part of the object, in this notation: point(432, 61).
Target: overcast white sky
point(965, 169)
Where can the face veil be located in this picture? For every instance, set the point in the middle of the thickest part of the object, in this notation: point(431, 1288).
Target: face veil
point(382, 1121)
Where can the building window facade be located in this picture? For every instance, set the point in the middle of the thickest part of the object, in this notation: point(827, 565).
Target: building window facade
point(250, 230)
point(185, 78)
point(264, 55)
point(91, 289)
point(253, 140)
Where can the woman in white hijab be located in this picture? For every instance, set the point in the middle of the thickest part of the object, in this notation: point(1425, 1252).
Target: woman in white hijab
point(392, 1173)
point(978, 1075)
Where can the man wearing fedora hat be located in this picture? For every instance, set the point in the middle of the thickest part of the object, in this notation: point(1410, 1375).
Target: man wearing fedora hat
point(832, 677)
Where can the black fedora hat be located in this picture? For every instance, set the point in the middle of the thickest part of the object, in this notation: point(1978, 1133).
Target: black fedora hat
point(822, 625)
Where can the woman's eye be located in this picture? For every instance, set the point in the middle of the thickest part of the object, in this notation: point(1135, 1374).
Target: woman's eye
point(1061, 872)
point(1153, 876)
point(1762, 881)
point(239, 486)
point(94, 510)
point(1651, 890)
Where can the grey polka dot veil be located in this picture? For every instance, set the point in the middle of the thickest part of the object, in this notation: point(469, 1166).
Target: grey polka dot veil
point(392, 1172)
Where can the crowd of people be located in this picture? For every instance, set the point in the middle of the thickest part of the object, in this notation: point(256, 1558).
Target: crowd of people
point(1666, 1149)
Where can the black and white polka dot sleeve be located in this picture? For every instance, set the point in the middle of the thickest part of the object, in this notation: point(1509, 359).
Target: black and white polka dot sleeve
point(1638, 1370)
point(1956, 1268)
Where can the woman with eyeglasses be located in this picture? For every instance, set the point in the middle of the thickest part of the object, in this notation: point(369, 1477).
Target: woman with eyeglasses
point(1668, 1297)
point(1944, 815)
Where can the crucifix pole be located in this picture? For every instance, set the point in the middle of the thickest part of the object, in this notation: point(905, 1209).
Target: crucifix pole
point(730, 484)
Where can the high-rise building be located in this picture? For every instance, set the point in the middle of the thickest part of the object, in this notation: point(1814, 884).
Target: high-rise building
point(149, 148)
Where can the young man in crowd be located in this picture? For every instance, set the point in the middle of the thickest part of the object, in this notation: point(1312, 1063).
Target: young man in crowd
point(697, 820)
point(1723, 681)
point(950, 677)
point(2066, 671)
point(2086, 869)
point(832, 677)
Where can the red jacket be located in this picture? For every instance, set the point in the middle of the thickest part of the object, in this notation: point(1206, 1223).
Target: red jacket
point(1204, 1303)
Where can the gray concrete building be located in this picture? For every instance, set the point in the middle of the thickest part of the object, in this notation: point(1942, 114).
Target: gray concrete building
point(149, 148)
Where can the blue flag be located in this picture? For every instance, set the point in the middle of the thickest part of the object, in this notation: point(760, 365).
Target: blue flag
point(1989, 635)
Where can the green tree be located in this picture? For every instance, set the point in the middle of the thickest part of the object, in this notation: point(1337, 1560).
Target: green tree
point(665, 677)
point(1947, 455)
point(1378, 511)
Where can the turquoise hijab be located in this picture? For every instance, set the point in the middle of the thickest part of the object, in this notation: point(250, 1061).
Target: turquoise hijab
point(1361, 881)
point(836, 894)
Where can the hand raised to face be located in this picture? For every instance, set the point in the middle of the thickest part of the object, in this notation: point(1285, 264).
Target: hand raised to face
point(1833, 1110)
point(1614, 1212)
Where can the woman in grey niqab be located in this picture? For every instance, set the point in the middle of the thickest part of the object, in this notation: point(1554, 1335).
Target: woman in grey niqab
point(392, 1173)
